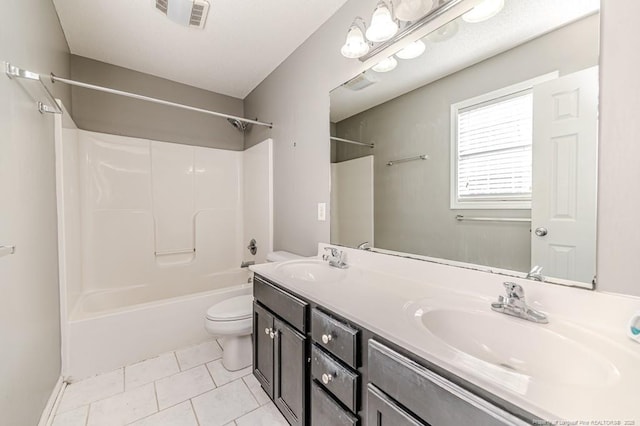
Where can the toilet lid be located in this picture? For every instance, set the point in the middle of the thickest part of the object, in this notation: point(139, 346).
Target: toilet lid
point(235, 308)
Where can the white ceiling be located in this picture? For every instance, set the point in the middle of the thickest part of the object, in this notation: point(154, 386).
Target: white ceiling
point(519, 22)
point(242, 43)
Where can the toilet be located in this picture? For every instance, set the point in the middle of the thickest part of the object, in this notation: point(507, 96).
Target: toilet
point(232, 320)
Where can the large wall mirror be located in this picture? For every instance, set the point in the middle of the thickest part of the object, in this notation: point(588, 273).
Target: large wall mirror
point(482, 150)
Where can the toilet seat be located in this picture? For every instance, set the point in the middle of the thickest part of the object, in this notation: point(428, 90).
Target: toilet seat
point(232, 309)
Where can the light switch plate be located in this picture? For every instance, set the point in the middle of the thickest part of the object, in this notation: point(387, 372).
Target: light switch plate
point(322, 212)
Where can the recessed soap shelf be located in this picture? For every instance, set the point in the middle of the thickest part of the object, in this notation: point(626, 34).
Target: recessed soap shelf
point(44, 99)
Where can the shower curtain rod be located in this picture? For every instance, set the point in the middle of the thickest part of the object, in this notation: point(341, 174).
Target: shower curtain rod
point(54, 78)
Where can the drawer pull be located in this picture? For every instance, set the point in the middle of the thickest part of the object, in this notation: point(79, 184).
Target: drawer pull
point(326, 378)
point(326, 338)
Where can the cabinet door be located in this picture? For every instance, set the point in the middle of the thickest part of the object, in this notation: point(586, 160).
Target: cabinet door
point(290, 373)
point(263, 338)
point(382, 411)
point(326, 412)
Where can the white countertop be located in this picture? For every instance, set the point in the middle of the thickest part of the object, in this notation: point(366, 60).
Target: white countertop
point(382, 292)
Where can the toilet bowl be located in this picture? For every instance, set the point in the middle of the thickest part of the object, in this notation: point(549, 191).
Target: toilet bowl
point(232, 319)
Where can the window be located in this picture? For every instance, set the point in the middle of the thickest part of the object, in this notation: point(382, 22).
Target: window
point(492, 138)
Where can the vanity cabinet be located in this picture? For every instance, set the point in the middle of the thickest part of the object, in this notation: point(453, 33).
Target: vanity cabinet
point(324, 370)
point(432, 398)
point(280, 349)
point(335, 356)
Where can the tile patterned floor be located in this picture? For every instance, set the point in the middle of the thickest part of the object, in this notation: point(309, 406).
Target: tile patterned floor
point(188, 387)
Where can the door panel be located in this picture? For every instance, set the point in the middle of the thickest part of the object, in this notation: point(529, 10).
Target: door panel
point(382, 411)
point(263, 348)
point(565, 129)
point(290, 373)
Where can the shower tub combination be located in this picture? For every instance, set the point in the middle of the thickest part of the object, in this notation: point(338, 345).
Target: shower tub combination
point(151, 234)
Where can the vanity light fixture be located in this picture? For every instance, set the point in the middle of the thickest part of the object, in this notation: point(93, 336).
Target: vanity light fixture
point(355, 46)
point(383, 26)
point(385, 65)
point(412, 51)
point(483, 11)
point(444, 33)
point(410, 10)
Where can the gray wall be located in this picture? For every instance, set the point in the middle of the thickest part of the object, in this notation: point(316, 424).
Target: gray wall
point(412, 200)
point(30, 37)
point(107, 113)
point(296, 98)
point(618, 197)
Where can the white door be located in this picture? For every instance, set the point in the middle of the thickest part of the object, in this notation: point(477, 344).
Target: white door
point(565, 130)
point(352, 202)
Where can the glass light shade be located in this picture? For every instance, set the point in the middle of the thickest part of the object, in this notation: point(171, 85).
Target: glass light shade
point(410, 10)
point(356, 45)
point(385, 65)
point(413, 50)
point(179, 11)
point(485, 10)
point(382, 26)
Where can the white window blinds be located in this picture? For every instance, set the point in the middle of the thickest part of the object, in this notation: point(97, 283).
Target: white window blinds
point(494, 149)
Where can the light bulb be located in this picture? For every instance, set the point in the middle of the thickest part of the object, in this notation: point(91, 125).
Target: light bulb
point(485, 10)
point(413, 50)
point(385, 65)
point(356, 45)
point(382, 27)
point(410, 10)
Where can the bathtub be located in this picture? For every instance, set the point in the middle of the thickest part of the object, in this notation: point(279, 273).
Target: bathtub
point(109, 329)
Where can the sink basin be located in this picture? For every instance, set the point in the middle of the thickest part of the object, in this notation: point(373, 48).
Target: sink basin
point(505, 348)
point(312, 270)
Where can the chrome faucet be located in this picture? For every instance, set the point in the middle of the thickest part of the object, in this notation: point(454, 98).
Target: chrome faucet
point(535, 274)
point(335, 257)
point(515, 305)
point(364, 246)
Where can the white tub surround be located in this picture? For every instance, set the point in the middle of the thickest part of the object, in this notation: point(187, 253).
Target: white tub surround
point(581, 365)
point(151, 235)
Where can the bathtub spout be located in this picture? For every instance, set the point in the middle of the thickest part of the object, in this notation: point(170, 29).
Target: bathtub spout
point(247, 263)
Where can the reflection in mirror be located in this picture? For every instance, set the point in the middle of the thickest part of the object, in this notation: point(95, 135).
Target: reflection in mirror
point(484, 146)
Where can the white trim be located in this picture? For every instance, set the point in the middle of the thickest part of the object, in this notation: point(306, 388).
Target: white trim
point(46, 419)
point(485, 203)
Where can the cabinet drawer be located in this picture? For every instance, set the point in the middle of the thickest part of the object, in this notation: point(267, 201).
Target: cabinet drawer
point(286, 306)
point(326, 412)
point(335, 336)
point(339, 380)
point(431, 397)
point(382, 411)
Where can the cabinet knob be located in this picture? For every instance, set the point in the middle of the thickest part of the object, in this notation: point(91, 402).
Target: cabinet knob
point(326, 378)
point(267, 331)
point(326, 338)
point(273, 334)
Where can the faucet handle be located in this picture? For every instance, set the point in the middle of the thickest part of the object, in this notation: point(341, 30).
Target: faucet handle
point(334, 251)
point(514, 290)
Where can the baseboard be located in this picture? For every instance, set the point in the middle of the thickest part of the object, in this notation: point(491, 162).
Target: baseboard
point(49, 410)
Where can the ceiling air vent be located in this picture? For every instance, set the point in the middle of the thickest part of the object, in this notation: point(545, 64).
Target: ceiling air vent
point(191, 13)
point(161, 5)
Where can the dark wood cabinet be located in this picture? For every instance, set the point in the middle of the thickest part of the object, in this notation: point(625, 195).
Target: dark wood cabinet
point(263, 348)
point(290, 362)
point(383, 411)
point(280, 349)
